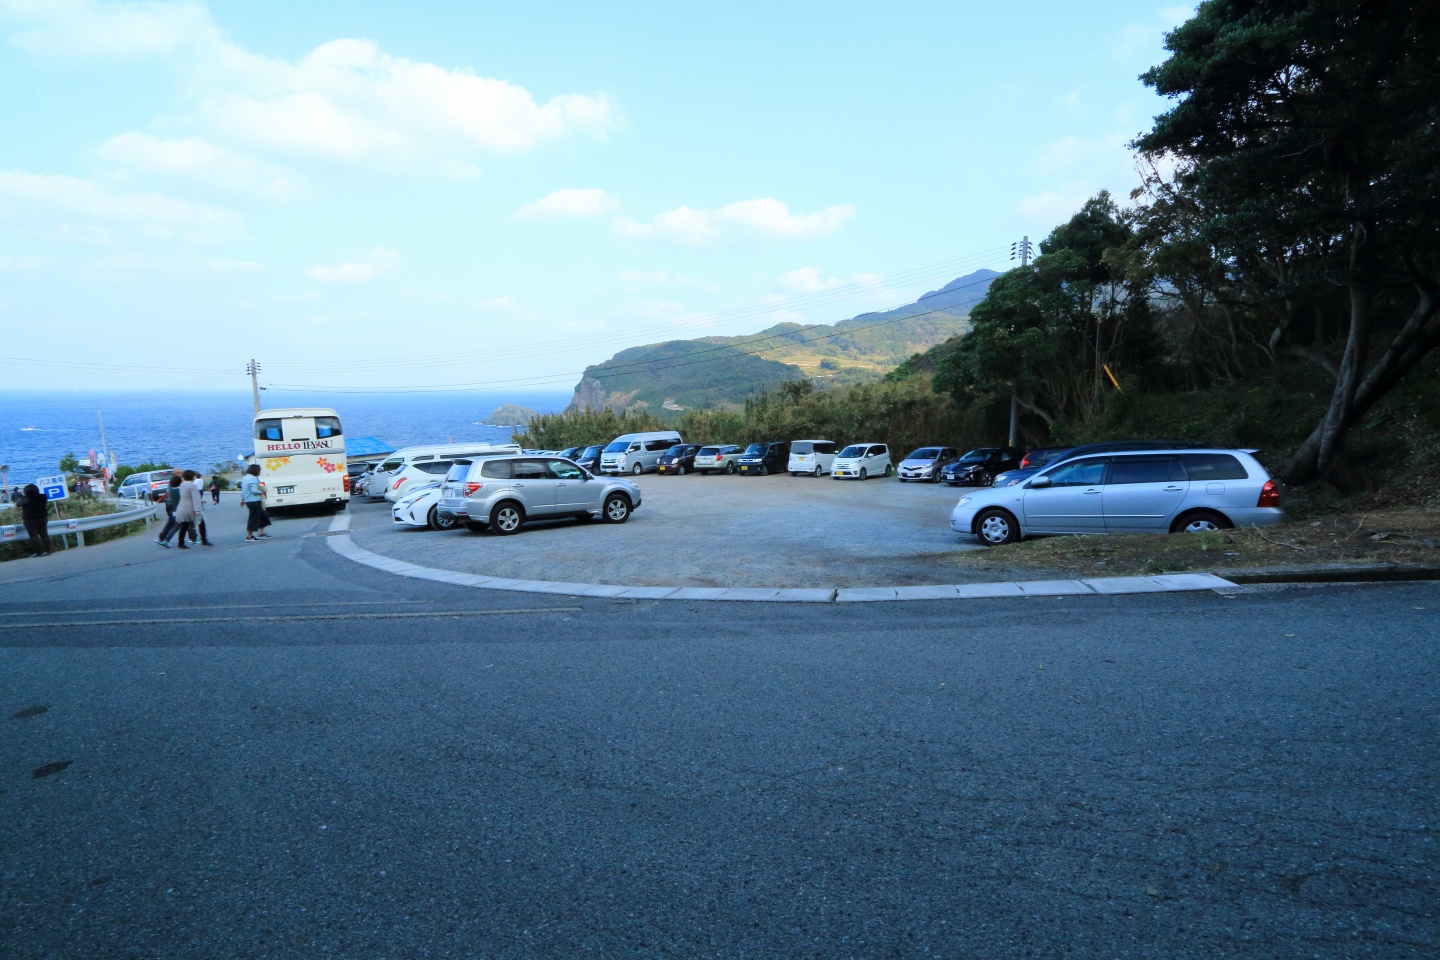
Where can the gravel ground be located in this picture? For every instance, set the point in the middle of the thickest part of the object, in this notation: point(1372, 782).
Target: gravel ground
point(720, 531)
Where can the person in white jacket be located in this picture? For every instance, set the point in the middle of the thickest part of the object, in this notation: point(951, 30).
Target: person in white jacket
point(198, 533)
point(187, 512)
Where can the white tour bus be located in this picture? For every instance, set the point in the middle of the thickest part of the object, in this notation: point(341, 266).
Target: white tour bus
point(301, 452)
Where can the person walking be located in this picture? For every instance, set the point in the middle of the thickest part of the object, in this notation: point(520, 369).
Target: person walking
point(35, 514)
point(197, 529)
point(187, 512)
point(172, 500)
point(252, 498)
point(215, 490)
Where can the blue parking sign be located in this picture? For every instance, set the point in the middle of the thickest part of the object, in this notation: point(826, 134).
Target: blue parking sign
point(53, 488)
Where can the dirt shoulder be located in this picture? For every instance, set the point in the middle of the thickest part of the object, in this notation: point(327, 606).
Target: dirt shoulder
point(1393, 538)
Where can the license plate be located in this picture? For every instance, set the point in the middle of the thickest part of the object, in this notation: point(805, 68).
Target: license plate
point(284, 490)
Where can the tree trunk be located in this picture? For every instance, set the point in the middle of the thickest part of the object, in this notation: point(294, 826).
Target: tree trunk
point(1419, 336)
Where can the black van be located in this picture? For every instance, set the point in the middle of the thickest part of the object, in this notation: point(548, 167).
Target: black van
point(763, 458)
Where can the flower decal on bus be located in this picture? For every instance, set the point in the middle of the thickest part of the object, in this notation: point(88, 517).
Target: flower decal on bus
point(275, 463)
point(326, 465)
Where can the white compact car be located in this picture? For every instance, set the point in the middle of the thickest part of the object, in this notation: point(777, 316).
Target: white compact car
point(861, 461)
point(814, 457)
point(413, 475)
point(417, 509)
point(1134, 491)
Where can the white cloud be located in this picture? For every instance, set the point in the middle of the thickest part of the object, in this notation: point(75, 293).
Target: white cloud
point(13, 264)
point(57, 200)
point(570, 203)
point(660, 277)
point(367, 267)
point(810, 280)
point(84, 28)
point(764, 217)
point(346, 100)
point(204, 161)
point(1145, 41)
point(169, 268)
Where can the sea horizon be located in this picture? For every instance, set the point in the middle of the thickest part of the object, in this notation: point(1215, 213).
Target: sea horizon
point(198, 429)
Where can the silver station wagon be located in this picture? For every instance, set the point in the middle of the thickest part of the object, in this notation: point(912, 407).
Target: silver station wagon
point(1141, 491)
point(504, 493)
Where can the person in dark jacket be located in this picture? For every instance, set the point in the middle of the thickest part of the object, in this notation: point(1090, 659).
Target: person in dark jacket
point(215, 489)
point(35, 513)
point(172, 500)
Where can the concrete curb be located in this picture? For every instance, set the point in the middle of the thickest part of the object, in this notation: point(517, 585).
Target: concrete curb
point(341, 544)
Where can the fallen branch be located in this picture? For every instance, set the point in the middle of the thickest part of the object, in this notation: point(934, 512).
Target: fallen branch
point(1278, 543)
point(1359, 525)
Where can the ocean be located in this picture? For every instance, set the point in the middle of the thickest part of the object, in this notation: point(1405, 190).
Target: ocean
point(198, 430)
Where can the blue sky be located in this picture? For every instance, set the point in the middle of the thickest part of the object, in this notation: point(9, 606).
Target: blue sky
point(380, 195)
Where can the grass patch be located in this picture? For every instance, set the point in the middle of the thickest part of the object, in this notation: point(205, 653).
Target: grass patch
point(74, 508)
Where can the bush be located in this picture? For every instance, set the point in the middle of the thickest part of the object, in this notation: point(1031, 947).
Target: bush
point(577, 428)
point(78, 505)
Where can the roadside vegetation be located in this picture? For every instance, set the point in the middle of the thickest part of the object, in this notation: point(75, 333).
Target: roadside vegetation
point(75, 506)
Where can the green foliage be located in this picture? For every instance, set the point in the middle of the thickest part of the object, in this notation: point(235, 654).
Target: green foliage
point(124, 470)
point(1047, 332)
point(69, 463)
point(577, 428)
point(74, 507)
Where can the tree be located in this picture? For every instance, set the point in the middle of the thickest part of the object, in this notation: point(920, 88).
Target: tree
point(1307, 134)
point(1048, 332)
point(69, 463)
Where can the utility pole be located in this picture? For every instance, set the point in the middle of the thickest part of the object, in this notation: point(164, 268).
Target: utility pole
point(1021, 250)
point(253, 369)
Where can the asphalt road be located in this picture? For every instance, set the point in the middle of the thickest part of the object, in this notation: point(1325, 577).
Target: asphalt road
point(267, 751)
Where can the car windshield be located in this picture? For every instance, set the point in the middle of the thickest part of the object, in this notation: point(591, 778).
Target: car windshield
point(589, 452)
point(801, 446)
point(619, 446)
point(853, 451)
point(676, 451)
point(755, 450)
point(925, 453)
point(980, 454)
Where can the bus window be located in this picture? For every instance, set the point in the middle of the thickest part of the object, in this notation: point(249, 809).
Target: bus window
point(267, 430)
point(327, 427)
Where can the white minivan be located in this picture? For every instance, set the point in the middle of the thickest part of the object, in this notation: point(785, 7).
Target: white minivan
point(637, 453)
point(814, 457)
point(388, 472)
point(862, 461)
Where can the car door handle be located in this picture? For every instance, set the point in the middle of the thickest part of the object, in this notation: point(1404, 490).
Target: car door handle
point(1091, 493)
point(1174, 489)
point(517, 484)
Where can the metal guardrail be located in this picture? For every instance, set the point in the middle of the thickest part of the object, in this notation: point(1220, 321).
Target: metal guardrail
point(15, 532)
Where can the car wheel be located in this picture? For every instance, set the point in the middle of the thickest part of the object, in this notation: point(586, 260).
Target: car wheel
point(435, 522)
point(863, 475)
point(937, 477)
point(637, 470)
point(1201, 521)
point(984, 479)
point(888, 469)
point(616, 509)
point(730, 467)
point(764, 470)
point(507, 518)
point(996, 527)
point(818, 472)
point(679, 471)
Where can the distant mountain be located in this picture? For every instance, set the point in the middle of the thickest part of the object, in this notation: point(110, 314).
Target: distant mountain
point(712, 371)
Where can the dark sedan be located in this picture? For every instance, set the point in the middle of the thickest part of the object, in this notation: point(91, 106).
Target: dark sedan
point(764, 459)
point(679, 459)
point(981, 466)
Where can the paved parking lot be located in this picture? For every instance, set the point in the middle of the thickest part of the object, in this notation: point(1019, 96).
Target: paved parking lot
point(776, 531)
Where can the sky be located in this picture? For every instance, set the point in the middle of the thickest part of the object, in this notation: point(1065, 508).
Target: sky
point(381, 196)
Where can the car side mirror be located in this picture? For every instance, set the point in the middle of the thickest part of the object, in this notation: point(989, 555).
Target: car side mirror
point(1039, 482)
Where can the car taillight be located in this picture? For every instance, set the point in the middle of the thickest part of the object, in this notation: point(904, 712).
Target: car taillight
point(470, 488)
point(1025, 461)
point(398, 481)
point(1269, 495)
point(345, 484)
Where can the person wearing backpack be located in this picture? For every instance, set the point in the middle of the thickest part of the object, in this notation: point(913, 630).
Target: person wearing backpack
point(172, 500)
point(35, 514)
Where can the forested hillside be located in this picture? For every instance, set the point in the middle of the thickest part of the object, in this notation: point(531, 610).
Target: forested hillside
point(711, 371)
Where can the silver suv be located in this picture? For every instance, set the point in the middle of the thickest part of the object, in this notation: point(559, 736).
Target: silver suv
point(504, 492)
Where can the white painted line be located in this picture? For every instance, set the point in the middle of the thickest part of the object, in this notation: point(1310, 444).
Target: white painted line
point(1113, 585)
point(926, 593)
point(348, 549)
point(279, 618)
point(340, 522)
point(976, 591)
point(1052, 588)
point(864, 594)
